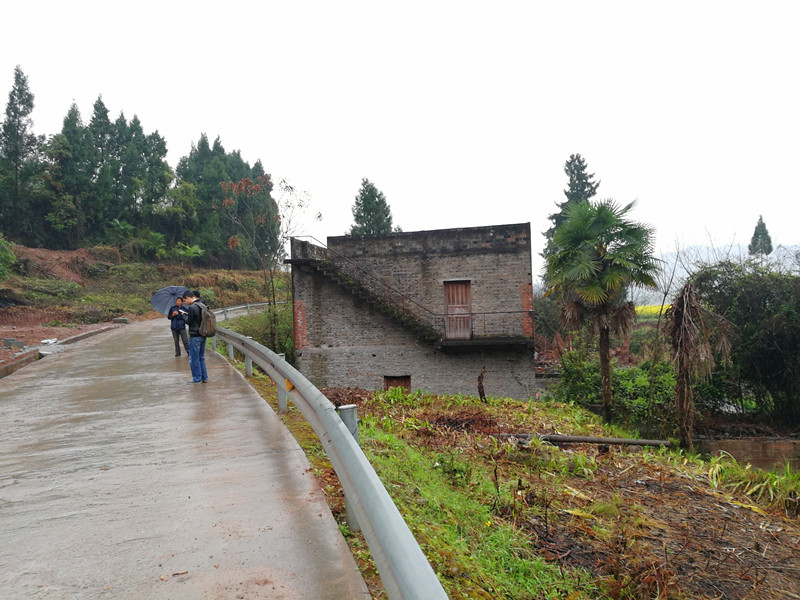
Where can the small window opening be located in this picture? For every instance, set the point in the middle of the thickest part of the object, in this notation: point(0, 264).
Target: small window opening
point(403, 381)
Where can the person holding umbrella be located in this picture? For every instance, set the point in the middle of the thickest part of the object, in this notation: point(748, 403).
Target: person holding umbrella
point(177, 315)
point(166, 301)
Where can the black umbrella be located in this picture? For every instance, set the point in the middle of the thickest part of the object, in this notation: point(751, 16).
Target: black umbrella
point(164, 299)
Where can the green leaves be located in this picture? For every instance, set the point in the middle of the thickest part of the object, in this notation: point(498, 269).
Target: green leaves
point(761, 308)
point(598, 251)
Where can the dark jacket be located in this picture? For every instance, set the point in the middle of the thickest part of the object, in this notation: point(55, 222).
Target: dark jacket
point(177, 322)
point(193, 319)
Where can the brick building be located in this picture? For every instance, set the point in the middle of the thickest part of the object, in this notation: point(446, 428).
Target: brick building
point(424, 310)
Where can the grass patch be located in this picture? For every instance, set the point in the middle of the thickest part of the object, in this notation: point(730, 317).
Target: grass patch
point(474, 553)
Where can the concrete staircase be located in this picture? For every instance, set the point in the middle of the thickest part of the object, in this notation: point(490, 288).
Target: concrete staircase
point(421, 322)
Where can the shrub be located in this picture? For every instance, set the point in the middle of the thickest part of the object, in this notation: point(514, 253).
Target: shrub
point(108, 254)
point(7, 258)
point(273, 328)
point(643, 395)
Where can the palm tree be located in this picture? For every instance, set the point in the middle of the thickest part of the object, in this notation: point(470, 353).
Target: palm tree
point(598, 254)
point(692, 353)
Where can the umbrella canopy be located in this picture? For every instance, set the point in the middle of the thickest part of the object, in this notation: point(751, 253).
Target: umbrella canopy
point(164, 298)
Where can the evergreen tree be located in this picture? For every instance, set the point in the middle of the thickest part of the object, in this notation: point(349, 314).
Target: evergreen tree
point(760, 243)
point(581, 188)
point(158, 176)
point(371, 213)
point(205, 168)
point(117, 144)
point(19, 149)
point(69, 171)
point(102, 130)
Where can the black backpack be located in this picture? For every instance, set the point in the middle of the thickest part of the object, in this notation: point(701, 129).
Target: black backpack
point(208, 321)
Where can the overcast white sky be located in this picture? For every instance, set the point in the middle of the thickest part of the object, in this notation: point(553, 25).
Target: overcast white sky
point(461, 113)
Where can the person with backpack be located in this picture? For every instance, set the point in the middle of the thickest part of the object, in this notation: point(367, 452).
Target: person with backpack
point(197, 341)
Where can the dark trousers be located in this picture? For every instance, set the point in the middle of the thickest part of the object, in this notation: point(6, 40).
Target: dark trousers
point(184, 337)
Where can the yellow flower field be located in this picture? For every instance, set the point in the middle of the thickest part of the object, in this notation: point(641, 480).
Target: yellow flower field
point(649, 312)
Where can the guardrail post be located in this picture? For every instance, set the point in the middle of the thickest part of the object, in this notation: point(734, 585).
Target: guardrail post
point(282, 387)
point(349, 416)
point(225, 314)
point(230, 351)
point(248, 363)
point(214, 343)
point(283, 395)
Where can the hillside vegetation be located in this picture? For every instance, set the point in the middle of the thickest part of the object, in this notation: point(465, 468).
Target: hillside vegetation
point(94, 285)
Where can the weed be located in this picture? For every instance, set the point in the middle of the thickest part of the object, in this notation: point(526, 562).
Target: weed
point(459, 472)
point(57, 323)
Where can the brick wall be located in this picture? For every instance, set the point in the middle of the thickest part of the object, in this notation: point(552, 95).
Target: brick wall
point(350, 345)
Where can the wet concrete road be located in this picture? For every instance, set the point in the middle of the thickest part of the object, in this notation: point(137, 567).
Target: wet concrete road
point(119, 479)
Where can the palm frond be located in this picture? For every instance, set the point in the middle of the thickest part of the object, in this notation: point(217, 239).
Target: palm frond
point(623, 319)
point(572, 315)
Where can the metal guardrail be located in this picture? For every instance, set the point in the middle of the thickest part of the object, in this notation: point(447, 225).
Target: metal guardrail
point(405, 572)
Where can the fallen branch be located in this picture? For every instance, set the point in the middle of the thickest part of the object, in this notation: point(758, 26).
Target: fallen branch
point(583, 439)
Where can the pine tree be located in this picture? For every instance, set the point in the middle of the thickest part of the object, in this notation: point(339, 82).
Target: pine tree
point(581, 188)
point(102, 130)
point(371, 213)
point(760, 243)
point(19, 149)
point(70, 168)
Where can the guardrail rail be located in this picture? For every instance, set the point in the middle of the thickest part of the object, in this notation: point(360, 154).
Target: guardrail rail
point(404, 570)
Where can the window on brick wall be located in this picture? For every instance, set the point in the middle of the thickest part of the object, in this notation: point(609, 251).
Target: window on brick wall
point(458, 310)
point(403, 381)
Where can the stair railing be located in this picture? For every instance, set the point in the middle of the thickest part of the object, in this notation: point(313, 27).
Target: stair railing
point(392, 295)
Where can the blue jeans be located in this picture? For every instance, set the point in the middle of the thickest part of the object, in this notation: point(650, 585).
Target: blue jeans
point(197, 358)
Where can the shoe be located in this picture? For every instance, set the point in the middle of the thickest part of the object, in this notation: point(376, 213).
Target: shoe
point(205, 381)
point(177, 355)
point(192, 381)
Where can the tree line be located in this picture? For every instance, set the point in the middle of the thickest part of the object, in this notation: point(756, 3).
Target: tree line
point(106, 182)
